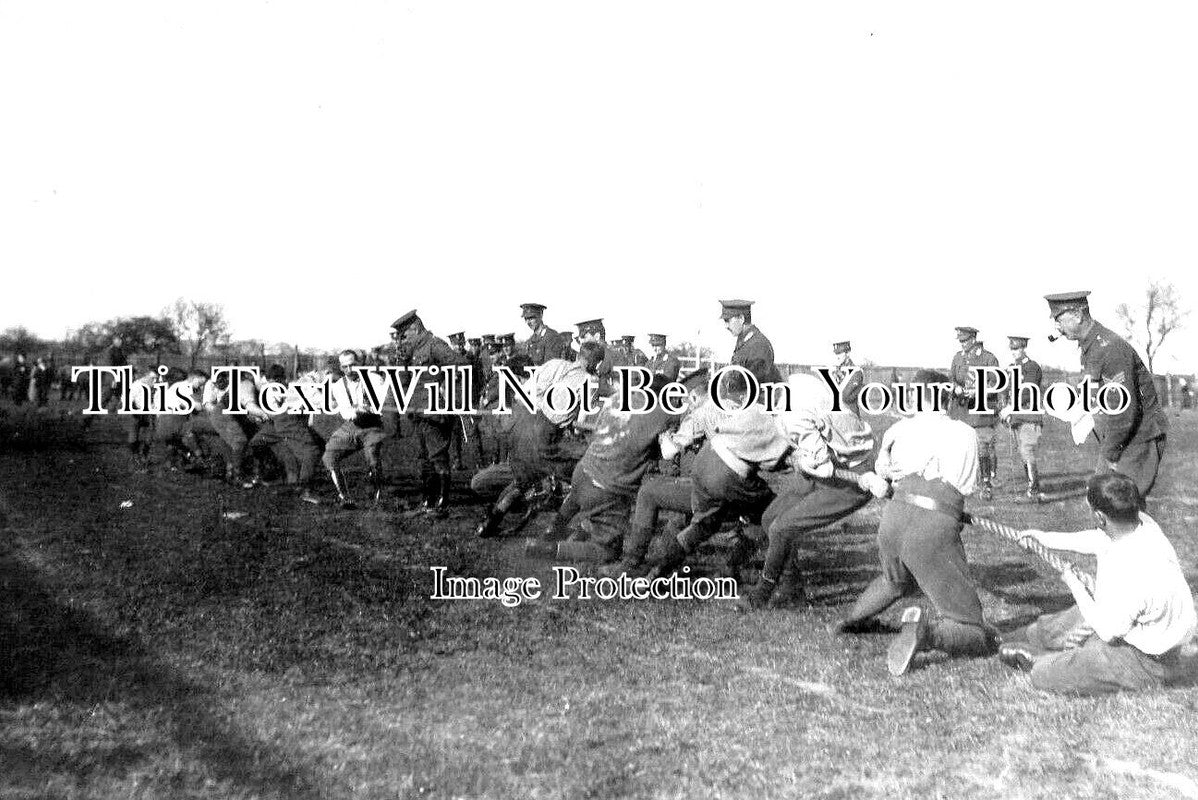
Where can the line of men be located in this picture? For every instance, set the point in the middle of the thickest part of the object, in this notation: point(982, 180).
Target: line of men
point(792, 474)
point(778, 478)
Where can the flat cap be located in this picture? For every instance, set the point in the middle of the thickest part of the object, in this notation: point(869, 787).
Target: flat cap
point(842, 347)
point(532, 309)
point(405, 320)
point(1066, 301)
point(735, 308)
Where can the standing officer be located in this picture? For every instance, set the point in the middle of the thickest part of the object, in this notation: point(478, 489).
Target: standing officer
point(966, 391)
point(593, 330)
point(458, 342)
point(752, 350)
point(663, 362)
point(422, 349)
point(544, 343)
point(1025, 425)
point(1133, 441)
point(635, 357)
point(842, 368)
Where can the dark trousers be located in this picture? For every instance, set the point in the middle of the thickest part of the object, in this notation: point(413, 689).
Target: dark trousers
point(1097, 667)
point(293, 443)
point(657, 494)
point(806, 505)
point(717, 490)
point(349, 438)
point(1141, 461)
point(433, 433)
point(922, 549)
point(235, 430)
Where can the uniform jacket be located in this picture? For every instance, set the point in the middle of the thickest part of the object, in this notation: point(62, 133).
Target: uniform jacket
point(1030, 374)
point(543, 345)
point(963, 376)
point(428, 351)
point(755, 353)
point(1107, 358)
point(667, 365)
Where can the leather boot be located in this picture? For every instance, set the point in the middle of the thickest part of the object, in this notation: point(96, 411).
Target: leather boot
point(428, 489)
point(491, 524)
point(1033, 480)
point(632, 562)
point(441, 485)
point(338, 478)
point(376, 485)
point(673, 558)
point(757, 597)
point(738, 555)
point(790, 591)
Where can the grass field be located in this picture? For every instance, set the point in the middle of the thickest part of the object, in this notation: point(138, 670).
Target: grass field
point(162, 649)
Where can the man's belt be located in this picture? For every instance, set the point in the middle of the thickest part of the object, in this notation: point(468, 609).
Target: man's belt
point(928, 504)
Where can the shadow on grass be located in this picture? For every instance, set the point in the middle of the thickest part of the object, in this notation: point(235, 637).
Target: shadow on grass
point(57, 654)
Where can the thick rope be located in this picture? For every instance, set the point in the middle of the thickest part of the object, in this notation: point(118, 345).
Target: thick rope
point(1007, 532)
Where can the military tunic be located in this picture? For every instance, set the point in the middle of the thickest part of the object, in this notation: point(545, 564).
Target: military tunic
point(755, 353)
point(667, 365)
point(1134, 440)
point(544, 345)
point(432, 430)
point(963, 376)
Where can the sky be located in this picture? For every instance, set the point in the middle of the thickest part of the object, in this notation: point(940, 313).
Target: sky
point(873, 171)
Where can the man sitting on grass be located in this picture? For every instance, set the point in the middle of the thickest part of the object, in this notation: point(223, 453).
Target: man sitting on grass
point(1132, 632)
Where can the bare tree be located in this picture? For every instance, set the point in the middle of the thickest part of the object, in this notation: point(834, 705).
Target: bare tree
point(199, 325)
point(1149, 326)
point(20, 339)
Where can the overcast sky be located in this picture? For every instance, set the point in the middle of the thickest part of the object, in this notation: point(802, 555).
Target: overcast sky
point(874, 171)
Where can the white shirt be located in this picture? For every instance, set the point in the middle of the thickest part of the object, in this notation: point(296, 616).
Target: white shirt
point(559, 375)
point(933, 446)
point(1140, 593)
point(349, 396)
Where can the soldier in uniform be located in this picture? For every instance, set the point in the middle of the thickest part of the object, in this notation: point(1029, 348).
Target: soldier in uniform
point(663, 362)
point(479, 369)
point(568, 351)
point(966, 391)
point(1133, 441)
point(752, 350)
point(433, 431)
point(544, 343)
point(1025, 425)
point(20, 379)
point(634, 356)
point(842, 368)
point(458, 342)
point(592, 330)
